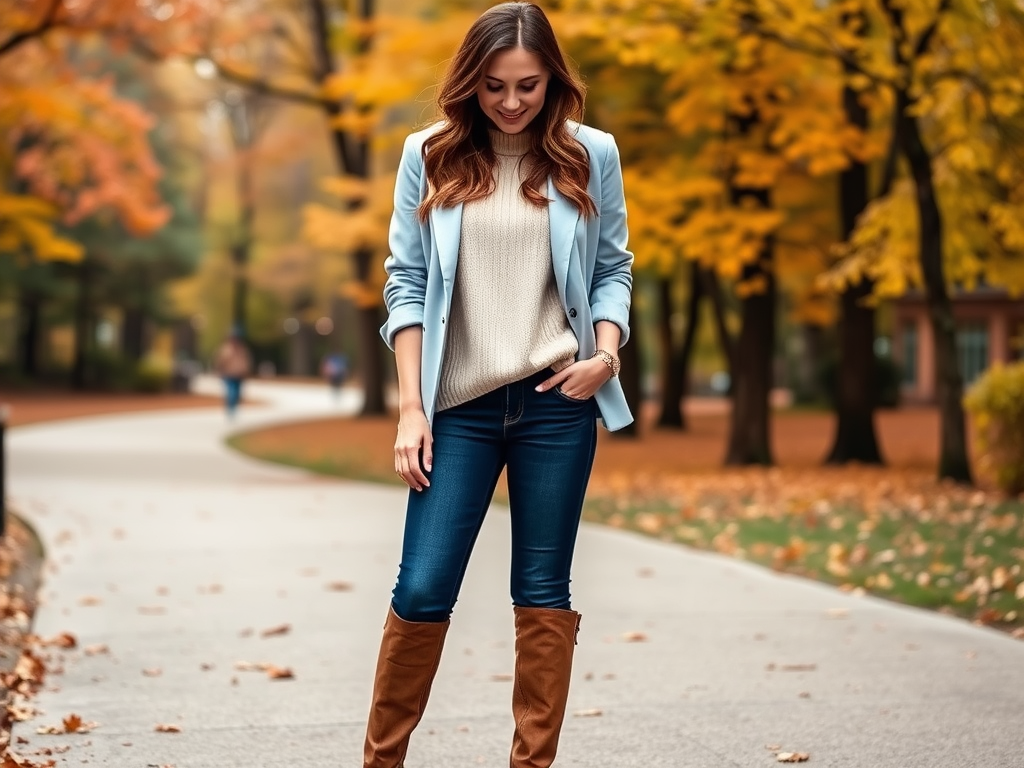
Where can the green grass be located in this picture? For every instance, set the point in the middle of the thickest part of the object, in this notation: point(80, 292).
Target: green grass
point(964, 560)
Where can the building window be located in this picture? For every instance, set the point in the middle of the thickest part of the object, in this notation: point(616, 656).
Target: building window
point(1017, 341)
point(909, 339)
point(972, 350)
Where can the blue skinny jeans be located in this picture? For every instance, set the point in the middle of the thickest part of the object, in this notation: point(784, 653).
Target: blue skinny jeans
point(232, 394)
point(546, 441)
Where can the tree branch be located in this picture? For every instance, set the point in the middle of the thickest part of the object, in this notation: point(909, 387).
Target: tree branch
point(48, 22)
point(832, 49)
point(251, 83)
point(926, 36)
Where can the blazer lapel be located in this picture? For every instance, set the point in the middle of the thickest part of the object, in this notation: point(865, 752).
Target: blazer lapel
point(563, 217)
point(446, 224)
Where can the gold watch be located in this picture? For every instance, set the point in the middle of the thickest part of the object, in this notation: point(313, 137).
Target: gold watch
point(613, 363)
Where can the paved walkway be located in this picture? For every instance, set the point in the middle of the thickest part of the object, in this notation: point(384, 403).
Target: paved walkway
point(176, 554)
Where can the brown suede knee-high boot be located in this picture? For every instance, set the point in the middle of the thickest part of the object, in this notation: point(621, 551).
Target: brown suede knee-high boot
point(545, 640)
point(409, 655)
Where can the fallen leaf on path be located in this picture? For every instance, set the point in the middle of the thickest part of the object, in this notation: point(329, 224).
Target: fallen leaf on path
point(280, 673)
point(634, 637)
point(167, 728)
point(205, 667)
point(798, 667)
point(63, 640)
point(14, 760)
point(587, 713)
point(19, 713)
point(339, 586)
point(70, 724)
point(152, 672)
point(248, 666)
point(792, 757)
point(89, 601)
point(280, 629)
point(502, 678)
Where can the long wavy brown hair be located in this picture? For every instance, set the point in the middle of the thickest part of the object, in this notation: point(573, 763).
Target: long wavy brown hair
point(458, 157)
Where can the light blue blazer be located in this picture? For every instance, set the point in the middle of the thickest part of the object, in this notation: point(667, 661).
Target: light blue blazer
point(589, 257)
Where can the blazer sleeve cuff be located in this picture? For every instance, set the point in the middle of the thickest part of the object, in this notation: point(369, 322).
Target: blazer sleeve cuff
point(614, 313)
point(399, 318)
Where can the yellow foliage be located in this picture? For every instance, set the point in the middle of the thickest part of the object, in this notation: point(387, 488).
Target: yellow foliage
point(996, 401)
point(26, 223)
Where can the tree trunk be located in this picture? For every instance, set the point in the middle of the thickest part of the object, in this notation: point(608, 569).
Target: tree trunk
point(953, 459)
point(690, 335)
point(133, 333)
point(240, 252)
point(29, 325)
point(672, 386)
point(749, 439)
point(714, 290)
point(371, 347)
point(353, 156)
point(856, 386)
point(630, 376)
point(82, 320)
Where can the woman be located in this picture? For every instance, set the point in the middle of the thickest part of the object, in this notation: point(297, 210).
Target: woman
point(508, 298)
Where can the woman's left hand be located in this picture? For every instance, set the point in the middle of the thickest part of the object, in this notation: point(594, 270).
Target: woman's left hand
point(580, 380)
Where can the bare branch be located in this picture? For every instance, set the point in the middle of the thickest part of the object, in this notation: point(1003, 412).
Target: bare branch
point(48, 22)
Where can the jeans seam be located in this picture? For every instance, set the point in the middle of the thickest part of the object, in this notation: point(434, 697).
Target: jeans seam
point(510, 420)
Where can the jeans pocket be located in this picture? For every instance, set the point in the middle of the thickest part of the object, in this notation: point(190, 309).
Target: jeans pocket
point(568, 398)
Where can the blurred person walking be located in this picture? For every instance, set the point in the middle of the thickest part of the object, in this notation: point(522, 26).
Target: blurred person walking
point(334, 369)
point(508, 298)
point(233, 364)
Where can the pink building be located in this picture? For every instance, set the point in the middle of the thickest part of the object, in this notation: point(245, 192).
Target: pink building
point(989, 328)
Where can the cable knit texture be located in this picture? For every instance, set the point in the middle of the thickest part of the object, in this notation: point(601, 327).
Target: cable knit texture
point(506, 320)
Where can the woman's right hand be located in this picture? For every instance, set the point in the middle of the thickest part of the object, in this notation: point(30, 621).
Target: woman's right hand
point(414, 439)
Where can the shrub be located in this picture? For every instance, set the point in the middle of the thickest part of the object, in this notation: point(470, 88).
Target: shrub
point(996, 401)
point(152, 375)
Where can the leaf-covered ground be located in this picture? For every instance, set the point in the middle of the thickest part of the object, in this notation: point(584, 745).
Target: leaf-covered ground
point(891, 531)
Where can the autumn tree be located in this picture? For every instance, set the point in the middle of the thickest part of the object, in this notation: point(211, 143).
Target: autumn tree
point(72, 150)
point(949, 74)
point(754, 123)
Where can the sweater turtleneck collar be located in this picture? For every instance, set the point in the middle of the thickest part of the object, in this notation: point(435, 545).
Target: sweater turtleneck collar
point(510, 144)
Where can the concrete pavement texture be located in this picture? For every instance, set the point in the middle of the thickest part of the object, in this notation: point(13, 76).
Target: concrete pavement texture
point(177, 554)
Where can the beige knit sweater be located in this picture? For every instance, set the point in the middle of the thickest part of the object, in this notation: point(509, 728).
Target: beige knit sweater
point(506, 321)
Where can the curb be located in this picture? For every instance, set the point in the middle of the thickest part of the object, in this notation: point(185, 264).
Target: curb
point(22, 583)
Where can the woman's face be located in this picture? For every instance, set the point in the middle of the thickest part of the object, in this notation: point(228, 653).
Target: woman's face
point(512, 90)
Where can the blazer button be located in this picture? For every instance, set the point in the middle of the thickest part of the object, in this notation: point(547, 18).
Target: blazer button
point(572, 312)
